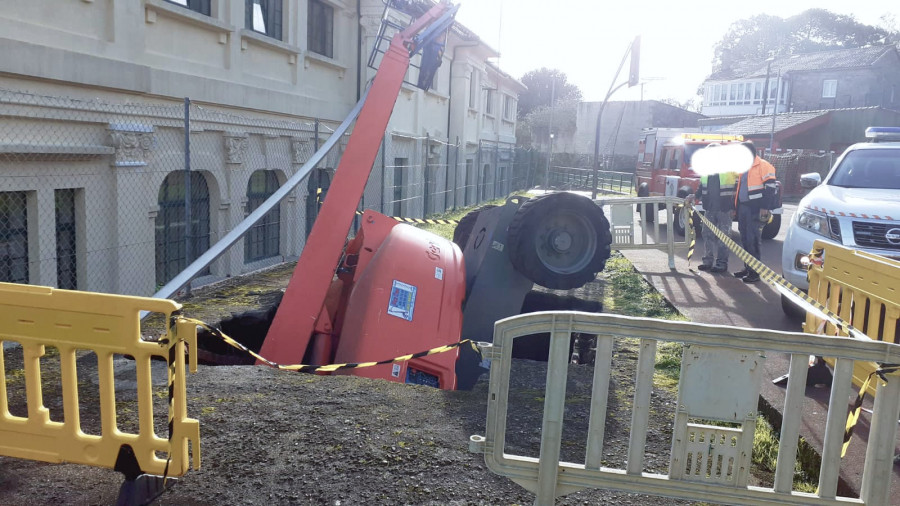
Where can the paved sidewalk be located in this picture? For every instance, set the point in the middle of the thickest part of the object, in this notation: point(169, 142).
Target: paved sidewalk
point(725, 300)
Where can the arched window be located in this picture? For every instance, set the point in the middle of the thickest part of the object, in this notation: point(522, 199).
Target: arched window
point(262, 241)
point(173, 251)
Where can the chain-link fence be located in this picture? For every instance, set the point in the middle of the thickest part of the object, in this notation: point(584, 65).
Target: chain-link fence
point(791, 164)
point(121, 197)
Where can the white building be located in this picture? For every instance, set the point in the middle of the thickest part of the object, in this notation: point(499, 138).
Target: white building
point(92, 137)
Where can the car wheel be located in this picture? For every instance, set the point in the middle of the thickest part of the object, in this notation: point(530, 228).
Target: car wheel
point(771, 229)
point(679, 221)
point(649, 209)
point(790, 309)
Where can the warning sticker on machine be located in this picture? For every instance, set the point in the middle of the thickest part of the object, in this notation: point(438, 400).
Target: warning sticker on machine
point(403, 300)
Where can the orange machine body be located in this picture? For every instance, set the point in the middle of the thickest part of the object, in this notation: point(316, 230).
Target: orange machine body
point(305, 322)
point(406, 296)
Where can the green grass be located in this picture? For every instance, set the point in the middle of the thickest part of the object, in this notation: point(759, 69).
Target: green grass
point(446, 231)
point(627, 293)
point(765, 456)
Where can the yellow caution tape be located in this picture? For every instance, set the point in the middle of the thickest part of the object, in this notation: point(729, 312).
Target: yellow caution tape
point(421, 221)
point(853, 416)
point(692, 243)
point(417, 221)
point(330, 367)
point(785, 287)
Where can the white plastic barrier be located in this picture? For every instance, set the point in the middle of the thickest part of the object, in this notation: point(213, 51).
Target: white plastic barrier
point(621, 212)
point(721, 374)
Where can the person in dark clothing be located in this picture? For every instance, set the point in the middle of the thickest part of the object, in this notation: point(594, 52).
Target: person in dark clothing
point(716, 193)
point(754, 199)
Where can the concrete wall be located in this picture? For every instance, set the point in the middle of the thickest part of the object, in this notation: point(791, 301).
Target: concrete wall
point(620, 125)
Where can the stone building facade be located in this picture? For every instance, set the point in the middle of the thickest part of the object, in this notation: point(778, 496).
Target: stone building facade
point(96, 191)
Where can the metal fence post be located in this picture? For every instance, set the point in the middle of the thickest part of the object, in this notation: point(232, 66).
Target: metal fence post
point(312, 185)
point(477, 181)
point(447, 175)
point(188, 218)
point(455, 172)
point(426, 198)
point(496, 171)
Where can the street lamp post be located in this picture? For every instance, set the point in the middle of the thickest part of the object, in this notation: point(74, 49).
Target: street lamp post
point(633, 79)
point(765, 97)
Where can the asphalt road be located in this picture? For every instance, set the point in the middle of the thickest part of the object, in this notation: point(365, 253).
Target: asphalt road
point(725, 300)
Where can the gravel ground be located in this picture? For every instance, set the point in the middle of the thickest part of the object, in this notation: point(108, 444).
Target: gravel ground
point(273, 437)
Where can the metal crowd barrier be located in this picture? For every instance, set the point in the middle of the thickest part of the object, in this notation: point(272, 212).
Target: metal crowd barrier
point(627, 234)
point(863, 289)
point(76, 324)
point(720, 379)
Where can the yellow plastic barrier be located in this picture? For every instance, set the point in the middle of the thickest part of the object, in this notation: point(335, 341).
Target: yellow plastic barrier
point(863, 289)
point(107, 325)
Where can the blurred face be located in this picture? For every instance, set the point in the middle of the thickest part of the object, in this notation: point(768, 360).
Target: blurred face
point(718, 159)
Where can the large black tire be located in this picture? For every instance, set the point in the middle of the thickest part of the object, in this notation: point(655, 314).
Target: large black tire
point(679, 220)
point(649, 209)
point(771, 229)
point(559, 240)
point(464, 228)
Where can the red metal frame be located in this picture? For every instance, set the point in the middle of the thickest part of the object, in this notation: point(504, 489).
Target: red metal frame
point(303, 310)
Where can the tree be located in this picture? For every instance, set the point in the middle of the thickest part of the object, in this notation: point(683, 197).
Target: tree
point(761, 36)
point(749, 39)
point(819, 29)
point(541, 84)
point(560, 119)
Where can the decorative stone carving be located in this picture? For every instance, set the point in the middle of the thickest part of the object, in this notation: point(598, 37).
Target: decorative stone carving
point(298, 146)
point(236, 148)
point(132, 143)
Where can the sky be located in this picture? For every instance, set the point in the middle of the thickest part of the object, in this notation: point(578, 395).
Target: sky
point(587, 39)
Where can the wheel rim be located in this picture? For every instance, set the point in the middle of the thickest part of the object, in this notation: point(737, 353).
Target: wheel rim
point(565, 242)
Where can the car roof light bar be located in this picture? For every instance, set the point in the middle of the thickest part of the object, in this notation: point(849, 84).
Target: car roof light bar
point(883, 134)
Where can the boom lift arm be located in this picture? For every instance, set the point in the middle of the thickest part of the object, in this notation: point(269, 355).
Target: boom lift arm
point(303, 312)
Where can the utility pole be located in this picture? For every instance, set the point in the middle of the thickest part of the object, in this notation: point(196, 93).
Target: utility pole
point(774, 112)
point(765, 97)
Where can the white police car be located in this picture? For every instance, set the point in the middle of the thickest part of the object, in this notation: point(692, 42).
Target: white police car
point(858, 205)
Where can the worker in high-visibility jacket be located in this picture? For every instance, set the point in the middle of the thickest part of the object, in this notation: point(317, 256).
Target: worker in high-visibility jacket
point(716, 193)
point(754, 199)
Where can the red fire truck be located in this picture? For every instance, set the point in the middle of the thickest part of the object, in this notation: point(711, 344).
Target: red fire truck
point(664, 169)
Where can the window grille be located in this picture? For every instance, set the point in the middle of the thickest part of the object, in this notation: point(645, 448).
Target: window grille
point(264, 239)
point(171, 255)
